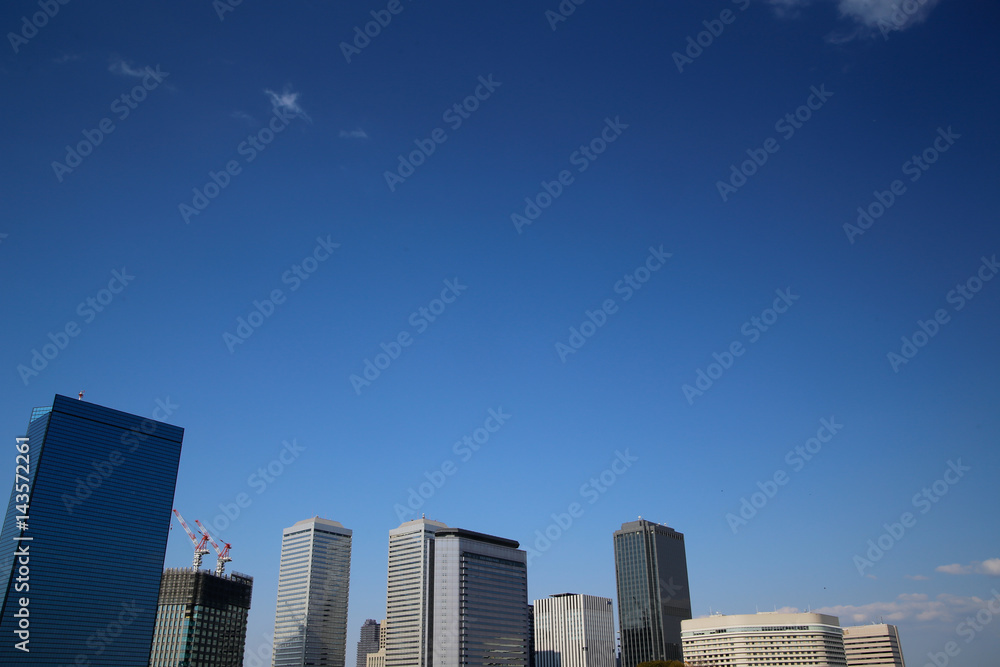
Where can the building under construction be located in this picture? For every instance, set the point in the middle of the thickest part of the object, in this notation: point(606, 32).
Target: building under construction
point(201, 619)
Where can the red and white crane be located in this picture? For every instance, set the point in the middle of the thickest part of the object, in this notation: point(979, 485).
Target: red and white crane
point(224, 558)
point(199, 544)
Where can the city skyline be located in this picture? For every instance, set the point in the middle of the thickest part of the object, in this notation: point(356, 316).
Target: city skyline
point(533, 269)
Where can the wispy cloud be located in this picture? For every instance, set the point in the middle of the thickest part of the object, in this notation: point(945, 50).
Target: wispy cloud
point(871, 16)
point(122, 68)
point(989, 567)
point(353, 134)
point(908, 606)
point(244, 117)
point(288, 101)
point(63, 59)
point(917, 577)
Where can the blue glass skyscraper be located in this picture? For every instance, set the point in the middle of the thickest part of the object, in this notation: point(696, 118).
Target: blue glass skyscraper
point(80, 575)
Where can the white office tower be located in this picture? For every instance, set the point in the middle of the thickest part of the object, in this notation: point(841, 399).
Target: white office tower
point(873, 646)
point(410, 594)
point(310, 624)
point(480, 601)
point(756, 640)
point(574, 631)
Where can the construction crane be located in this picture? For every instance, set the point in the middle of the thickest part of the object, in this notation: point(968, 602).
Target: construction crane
point(220, 567)
point(199, 544)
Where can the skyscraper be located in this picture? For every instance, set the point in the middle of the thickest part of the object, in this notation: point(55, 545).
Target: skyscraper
point(574, 631)
point(480, 601)
point(86, 466)
point(201, 619)
point(767, 638)
point(410, 593)
point(873, 645)
point(310, 625)
point(653, 594)
point(368, 643)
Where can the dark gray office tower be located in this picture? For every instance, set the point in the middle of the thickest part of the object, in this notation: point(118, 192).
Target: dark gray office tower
point(653, 594)
point(201, 619)
point(368, 642)
point(480, 601)
point(83, 539)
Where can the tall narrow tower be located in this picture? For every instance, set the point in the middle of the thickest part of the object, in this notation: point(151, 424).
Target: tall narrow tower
point(80, 466)
point(653, 594)
point(410, 594)
point(310, 624)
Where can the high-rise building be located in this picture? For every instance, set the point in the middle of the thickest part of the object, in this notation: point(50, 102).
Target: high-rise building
point(377, 659)
point(201, 619)
point(368, 643)
point(874, 645)
point(310, 624)
point(410, 593)
point(574, 631)
point(531, 635)
point(85, 468)
point(653, 594)
point(767, 638)
point(480, 601)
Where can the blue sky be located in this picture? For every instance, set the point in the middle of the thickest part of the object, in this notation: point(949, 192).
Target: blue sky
point(735, 167)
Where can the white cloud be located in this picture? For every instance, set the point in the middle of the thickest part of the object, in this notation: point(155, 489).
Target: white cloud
point(882, 15)
point(886, 13)
point(917, 577)
point(288, 101)
point(908, 606)
point(121, 67)
point(989, 567)
point(353, 134)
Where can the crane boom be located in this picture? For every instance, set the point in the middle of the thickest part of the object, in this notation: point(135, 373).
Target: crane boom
point(223, 552)
point(199, 545)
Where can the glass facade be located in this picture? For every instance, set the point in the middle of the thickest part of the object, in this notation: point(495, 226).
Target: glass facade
point(96, 476)
point(653, 594)
point(310, 624)
point(480, 601)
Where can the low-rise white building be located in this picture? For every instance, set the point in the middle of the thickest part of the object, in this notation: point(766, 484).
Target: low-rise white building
point(762, 640)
